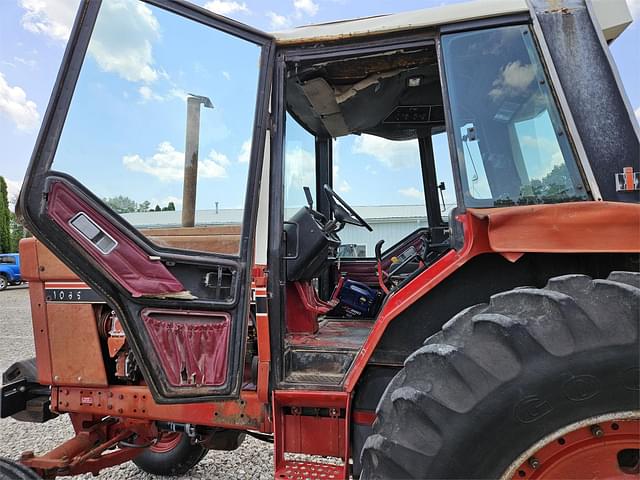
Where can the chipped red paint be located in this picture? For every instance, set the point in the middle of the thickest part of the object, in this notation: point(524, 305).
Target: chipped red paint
point(136, 402)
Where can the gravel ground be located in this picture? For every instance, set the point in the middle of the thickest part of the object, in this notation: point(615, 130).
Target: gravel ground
point(253, 460)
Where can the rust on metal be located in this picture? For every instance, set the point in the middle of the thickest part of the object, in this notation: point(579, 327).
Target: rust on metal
point(76, 355)
point(92, 447)
point(136, 402)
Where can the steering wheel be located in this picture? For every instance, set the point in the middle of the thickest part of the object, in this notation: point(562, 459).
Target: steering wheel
point(342, 211)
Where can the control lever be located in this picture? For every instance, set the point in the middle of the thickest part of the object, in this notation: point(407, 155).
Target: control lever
point(378, 251)
point(307, 193)
point(317, 215)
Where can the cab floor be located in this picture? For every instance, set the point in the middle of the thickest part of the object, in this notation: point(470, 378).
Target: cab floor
point(334, 334)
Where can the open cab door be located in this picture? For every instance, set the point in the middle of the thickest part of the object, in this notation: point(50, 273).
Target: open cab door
point(109, 169)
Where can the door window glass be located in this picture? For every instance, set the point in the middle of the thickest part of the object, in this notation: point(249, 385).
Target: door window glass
point(512, 145)
point(127, 130)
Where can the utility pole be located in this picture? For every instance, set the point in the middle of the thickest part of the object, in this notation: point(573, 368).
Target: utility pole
point(192, 144)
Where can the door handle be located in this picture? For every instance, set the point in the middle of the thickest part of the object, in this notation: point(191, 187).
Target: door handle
point(93, 233)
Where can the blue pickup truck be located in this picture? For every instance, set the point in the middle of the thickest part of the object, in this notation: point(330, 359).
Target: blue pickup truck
point(9, 270)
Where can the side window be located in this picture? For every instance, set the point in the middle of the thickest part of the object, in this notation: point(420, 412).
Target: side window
point(444, 173)
point(155, 88)
point(299, 166)
point(511, 143)
point(382, 180)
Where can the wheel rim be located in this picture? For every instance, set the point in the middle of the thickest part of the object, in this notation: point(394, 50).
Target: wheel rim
point(167, 442)
point(604, 447)
point(3, 283)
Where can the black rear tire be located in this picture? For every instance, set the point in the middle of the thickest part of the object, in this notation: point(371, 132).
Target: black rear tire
point(177, 461)
point(10, 470)
point(500, 377)
point(4, 282)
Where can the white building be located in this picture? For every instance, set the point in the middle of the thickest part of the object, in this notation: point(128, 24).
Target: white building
point(389, 222)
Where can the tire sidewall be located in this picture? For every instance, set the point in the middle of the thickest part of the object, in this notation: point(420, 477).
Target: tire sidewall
point(549, 394)
point(4, 282)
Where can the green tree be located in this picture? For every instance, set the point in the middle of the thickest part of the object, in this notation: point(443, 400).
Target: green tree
point(157, 209)
point(17, 232)
point(5, 218)
point(121, 204)
point(171, 207)
point(144, 206)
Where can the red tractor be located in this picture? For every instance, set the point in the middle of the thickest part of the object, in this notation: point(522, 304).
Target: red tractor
point(493, 334)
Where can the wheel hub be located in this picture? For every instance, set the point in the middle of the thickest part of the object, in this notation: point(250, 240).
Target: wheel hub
point(600, 448)
point(167, 442)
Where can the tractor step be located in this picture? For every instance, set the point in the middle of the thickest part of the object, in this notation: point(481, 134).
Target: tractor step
point(309, 471)
point(311, 423)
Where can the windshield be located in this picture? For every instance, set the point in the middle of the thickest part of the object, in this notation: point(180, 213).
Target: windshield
point(512, 146)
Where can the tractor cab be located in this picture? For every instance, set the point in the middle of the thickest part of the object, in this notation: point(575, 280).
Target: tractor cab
point(366, 139)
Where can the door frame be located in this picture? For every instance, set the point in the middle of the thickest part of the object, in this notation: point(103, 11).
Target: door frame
point(31, 206)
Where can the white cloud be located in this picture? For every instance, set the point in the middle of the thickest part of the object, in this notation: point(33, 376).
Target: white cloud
point(278, 21)
point(393, 154)
point(225, 7)
point(167, 164)
point(412, 192)
point(13, 190)
point(245, 152)
point(177, 93)
point(53, 18)
point(26, 62)
point(122, 41)
point(344, 187)
point(305, 7)
point(15, 105)
point(147, 94)
point(302, 8)
point(214, 165)
point(514, 78)
point(370, 169)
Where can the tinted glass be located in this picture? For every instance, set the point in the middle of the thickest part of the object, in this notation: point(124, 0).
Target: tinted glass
point(512, 145)
point(124, 137)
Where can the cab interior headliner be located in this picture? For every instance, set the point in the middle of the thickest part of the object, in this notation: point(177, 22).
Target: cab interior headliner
point(395, 94)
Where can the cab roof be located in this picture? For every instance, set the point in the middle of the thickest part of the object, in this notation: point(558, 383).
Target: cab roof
point(612, 15)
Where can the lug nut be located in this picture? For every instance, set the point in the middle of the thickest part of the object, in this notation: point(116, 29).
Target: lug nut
point(596, 431)
point(534, 462)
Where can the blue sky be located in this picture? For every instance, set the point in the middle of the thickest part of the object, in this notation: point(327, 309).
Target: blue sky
point(141, 157)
